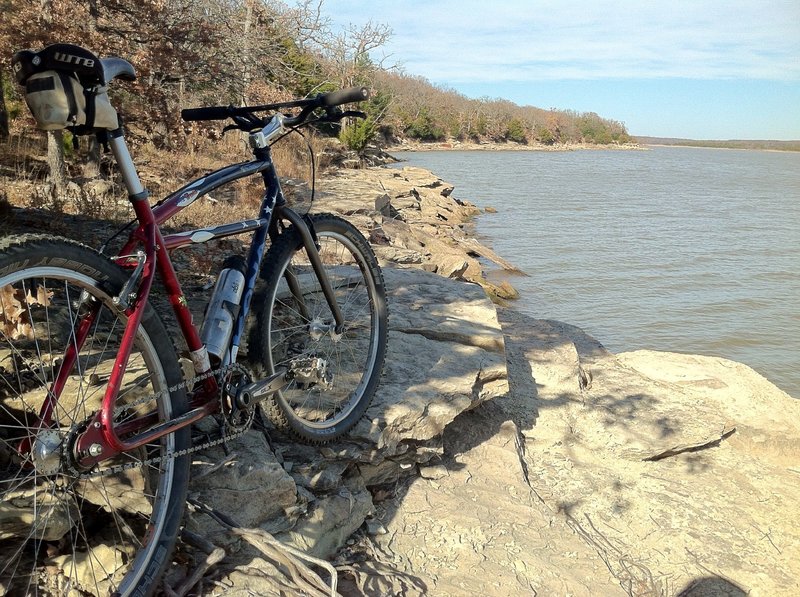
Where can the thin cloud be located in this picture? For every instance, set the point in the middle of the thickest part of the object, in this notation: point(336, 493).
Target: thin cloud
point(466, 41)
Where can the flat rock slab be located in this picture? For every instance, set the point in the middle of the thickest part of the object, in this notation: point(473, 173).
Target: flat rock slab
point(643, 473)
point(479, 528)
point(445, 356)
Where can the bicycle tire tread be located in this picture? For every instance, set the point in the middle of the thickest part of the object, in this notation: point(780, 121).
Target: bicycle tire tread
point(283, 247)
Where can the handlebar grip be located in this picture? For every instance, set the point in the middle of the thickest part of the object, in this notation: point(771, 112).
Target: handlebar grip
point(210, 113)
point(344, 96)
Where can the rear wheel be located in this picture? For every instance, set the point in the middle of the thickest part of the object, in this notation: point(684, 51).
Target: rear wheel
point(335, 374)
point(62, 531)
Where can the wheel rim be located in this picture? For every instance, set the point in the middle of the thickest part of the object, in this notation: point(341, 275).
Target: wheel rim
point(60, 532)
point(350, 357)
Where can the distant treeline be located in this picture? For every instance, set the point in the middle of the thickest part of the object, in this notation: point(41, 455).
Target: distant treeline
point(423, 111)
point(726, 144)
point(206, 52)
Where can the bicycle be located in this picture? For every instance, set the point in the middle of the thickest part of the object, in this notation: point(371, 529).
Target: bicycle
point(95, 412)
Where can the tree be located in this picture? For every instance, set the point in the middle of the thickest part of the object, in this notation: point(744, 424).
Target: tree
point(56, 165)
point(361, 133)
point(424, 128)
point(3, 109)
point(348, 54)
point(515, 131)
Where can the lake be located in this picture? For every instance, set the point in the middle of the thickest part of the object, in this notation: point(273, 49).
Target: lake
point(677, 249)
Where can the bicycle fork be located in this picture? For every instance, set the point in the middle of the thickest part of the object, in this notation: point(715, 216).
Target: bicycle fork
point(307, 369)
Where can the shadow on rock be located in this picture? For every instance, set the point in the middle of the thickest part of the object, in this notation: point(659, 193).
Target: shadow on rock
point(712, 586)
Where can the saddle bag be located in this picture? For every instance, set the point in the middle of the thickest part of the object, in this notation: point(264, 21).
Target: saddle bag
point(64, 88)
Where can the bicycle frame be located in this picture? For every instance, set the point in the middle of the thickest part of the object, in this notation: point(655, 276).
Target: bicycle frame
point(102, 439)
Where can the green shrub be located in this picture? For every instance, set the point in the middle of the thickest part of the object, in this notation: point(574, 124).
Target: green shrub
point(358, 135)
point(545, 136)
point(424, 128)
point(515, 131)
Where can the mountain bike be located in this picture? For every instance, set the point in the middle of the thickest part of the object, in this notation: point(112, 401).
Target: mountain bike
point(95, 409)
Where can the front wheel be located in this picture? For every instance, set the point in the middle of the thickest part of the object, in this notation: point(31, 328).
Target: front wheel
point(334, 372)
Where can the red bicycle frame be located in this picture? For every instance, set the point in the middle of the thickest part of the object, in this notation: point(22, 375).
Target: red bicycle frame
point(103, 438)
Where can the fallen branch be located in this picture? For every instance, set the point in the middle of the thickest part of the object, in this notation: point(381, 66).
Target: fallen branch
point(215, 467)
point(691, 447)
point(214, 555)
point(306, 581)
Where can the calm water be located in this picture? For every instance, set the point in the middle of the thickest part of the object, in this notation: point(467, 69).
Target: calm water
point(676, 249)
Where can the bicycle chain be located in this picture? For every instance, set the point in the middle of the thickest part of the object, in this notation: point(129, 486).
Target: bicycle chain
point(176, 453)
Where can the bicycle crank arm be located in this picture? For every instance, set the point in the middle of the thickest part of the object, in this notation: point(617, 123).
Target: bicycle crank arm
point(254, 392)
point(304, 370)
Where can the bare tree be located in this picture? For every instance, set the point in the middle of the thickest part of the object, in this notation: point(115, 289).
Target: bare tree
point(349, 53)
point(56, 165)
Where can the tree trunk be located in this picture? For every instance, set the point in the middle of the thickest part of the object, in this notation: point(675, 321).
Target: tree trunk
point(246, 51)
point(92, 167)
point(55, 161)
point(3, 112)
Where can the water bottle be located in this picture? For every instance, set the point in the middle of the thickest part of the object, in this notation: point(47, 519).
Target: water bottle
point(223, 308)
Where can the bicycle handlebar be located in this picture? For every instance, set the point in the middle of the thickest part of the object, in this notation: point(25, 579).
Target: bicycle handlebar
point(210, 113)
point(324, 100)
point(344, 96)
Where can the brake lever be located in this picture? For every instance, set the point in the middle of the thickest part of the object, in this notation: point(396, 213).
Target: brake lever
point(245, 122)
point(352, 114)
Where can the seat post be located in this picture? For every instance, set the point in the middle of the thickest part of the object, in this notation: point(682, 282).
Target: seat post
point(123, 158)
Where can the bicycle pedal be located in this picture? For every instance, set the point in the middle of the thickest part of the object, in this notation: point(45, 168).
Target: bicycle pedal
point(309, 372)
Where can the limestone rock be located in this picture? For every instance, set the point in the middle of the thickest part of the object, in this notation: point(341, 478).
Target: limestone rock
point(644, 473)
point(251, 486)
point(418, 221)
point(330, 522)
point(445, 356)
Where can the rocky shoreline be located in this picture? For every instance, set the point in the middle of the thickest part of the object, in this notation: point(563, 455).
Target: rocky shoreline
point(503, 454)
point(564, 469)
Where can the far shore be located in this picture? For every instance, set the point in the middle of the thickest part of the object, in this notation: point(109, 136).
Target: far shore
point(509, 146)
point(642, 146)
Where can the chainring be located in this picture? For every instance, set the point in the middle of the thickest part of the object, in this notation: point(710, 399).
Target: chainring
point(236, 419)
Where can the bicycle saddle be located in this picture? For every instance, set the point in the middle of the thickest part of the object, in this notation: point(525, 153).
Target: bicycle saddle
point(89, 69)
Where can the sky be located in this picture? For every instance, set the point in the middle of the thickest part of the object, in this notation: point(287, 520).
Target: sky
point(700, 69)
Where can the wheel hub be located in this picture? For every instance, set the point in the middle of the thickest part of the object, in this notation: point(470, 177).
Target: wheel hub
point(46, 452)
point(317, 329)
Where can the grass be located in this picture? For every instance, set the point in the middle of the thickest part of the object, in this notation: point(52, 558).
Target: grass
point(101, 198)
point(24, 173)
